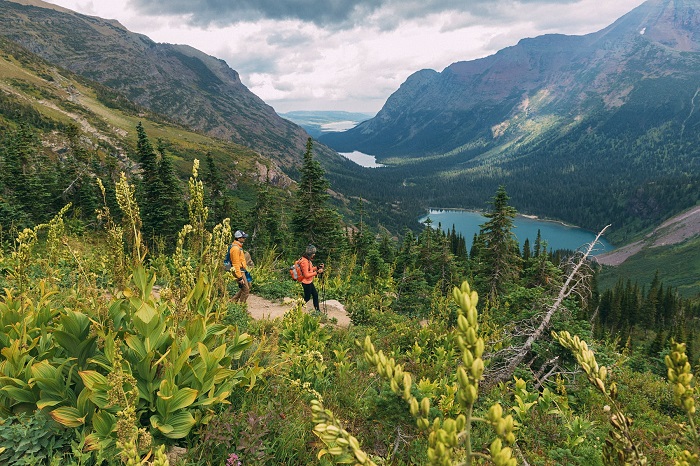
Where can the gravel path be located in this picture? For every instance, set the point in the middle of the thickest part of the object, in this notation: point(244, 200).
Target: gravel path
point(261, 308)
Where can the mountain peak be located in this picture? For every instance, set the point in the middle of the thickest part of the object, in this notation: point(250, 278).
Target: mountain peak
point(671, 23)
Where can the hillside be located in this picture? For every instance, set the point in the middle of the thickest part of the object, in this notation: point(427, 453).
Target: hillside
point(671, 249)
point(178, 81)
point(52, 99)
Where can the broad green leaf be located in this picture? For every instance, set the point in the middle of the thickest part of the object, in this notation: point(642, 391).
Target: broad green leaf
point(178, 426)
point(68, 416)
point(93, 378)
point(22, 395)
point(48, 402)
point(104, 423)
point(183, 398)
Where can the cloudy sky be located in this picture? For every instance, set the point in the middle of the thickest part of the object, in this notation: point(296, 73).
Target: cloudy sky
point(347, 54)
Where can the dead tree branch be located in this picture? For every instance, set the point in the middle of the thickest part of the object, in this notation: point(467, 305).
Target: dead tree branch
point(572, 282)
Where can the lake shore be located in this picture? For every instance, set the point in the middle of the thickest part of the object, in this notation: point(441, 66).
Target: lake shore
point(556, 234)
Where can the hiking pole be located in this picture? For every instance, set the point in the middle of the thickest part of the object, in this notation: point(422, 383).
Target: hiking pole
point(323, 292)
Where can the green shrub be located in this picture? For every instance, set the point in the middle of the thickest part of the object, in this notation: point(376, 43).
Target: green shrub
point(30, 439)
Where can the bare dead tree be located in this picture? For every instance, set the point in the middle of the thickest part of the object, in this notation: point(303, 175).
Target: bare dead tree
point(575, 283)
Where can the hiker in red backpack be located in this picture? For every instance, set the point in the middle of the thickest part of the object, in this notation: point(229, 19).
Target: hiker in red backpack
point(238, 266)
point(309, 272)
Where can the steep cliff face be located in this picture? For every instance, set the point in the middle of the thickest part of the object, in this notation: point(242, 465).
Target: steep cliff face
point(177, 81)
point(565, 80)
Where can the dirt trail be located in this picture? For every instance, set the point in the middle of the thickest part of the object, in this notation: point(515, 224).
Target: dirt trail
point(261, 308)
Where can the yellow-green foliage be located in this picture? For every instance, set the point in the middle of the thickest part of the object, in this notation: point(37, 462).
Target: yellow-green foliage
point(619, 447)
point(449, 438)
point(127, 377)
point(685, 390)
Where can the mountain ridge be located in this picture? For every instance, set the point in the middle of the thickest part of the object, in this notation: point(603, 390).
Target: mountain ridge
point(587, 129)
point(178, 81)
point(559, 69)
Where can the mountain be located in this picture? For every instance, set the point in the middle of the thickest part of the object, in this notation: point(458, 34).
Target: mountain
point(56, 105)
point(177, 81)
point(563, 79)
point(594, 129)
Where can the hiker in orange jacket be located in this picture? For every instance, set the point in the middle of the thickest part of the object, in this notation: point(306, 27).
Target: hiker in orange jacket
point(309, 272)
point(238, 267)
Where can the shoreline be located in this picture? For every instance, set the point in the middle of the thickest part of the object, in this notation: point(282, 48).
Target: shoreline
point(481, 212)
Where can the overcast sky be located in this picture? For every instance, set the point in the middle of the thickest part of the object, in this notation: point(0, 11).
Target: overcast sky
point(342, 54)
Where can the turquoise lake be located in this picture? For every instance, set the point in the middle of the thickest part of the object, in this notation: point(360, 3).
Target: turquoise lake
point(556, 234)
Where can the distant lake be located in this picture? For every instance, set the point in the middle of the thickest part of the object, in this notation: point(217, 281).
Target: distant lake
point(556, 234)
point(365, 160)
point(338, 126)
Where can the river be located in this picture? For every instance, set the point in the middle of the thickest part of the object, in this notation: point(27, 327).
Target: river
point(556, 234)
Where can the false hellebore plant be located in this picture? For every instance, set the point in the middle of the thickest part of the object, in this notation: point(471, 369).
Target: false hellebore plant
point(449, 439)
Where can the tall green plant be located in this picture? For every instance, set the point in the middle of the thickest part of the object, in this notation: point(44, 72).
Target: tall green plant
point(446, 435)
point(619, 447)
point(685, 393)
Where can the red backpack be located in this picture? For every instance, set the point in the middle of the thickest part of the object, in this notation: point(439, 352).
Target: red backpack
point(295, 271)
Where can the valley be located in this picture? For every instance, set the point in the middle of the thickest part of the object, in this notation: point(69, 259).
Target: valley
point(152, 207)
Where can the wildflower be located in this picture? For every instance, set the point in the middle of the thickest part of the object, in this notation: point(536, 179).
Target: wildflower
point(233, 460)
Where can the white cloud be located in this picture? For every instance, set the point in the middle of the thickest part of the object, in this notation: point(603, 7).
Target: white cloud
point(313, 60)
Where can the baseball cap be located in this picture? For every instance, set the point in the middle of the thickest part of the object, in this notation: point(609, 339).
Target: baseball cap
point(240, 234)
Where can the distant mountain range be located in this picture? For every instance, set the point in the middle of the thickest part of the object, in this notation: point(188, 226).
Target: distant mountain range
point(177, 81)
point(319, 122)
point(641, 72)
point(593, 129)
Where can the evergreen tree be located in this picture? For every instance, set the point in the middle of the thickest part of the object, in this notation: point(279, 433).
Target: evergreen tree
point(220, 206)
point(149, 189)
point(171, 214)
point(406, 257)
point(29, 179)
point(77, 171)
point(477, 245)
point(413, 294)
point(651, 304)
point(526, 250)
point(500, 254)
point(267, 227)
point(538, 244)
point(361, 238)
point(313, 220)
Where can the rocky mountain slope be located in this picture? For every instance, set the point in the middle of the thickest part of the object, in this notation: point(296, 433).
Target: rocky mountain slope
point(177, 81)
point(545, 86)
point(594, 129)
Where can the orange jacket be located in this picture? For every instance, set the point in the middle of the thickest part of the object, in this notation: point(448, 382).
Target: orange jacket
point(308, 270)
point(238, 263)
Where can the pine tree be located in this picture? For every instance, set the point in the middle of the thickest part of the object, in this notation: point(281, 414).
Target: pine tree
point(149, 189)
point(500, 255)
point(29, 178)
point(267, 227)
point(526, 250)
point(170, 215)
point(219, 204)
point(77, 171)
point(313, 220)
point(538, 244)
